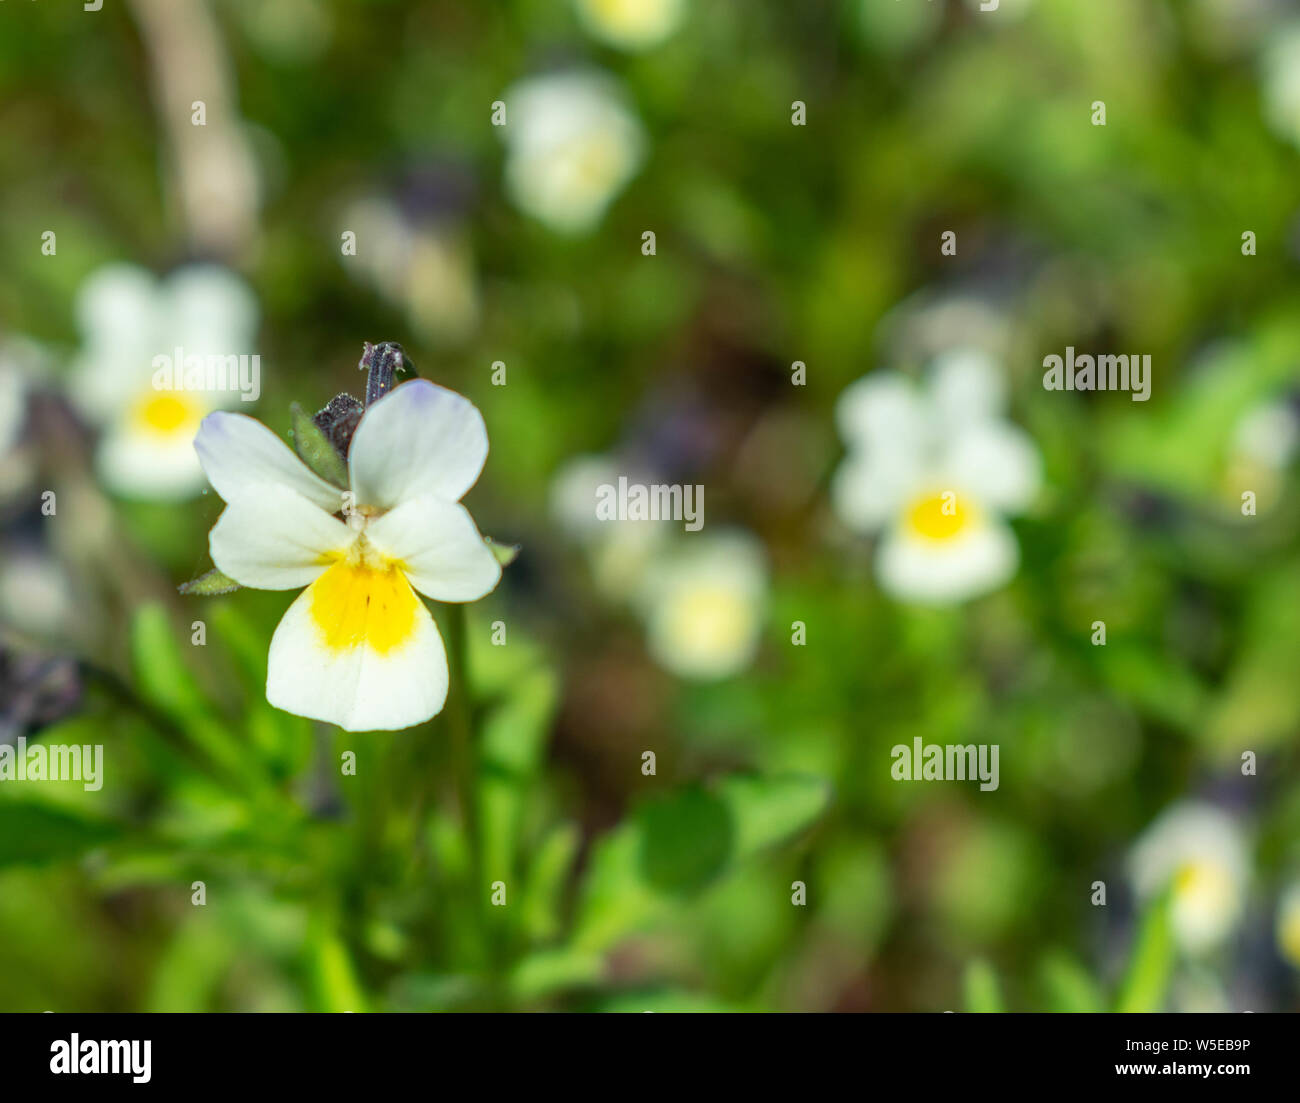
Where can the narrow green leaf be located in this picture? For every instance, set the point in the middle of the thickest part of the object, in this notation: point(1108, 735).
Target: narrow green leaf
point(980, 988)
point(1152, 963)
point(33, 833)
point(315, 450)
point(209, 585)
point(1067, 985)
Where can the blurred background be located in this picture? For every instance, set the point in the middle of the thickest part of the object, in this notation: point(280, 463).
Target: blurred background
point(293, 177)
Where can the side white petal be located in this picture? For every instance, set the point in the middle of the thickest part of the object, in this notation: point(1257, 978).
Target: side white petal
point(272, 538)
point(869, 489)
point(441, 550)
point(357, 688)
point(940, 572)
point(997, 462)
point(420, 439)
point(238, 453)
point(148, 466)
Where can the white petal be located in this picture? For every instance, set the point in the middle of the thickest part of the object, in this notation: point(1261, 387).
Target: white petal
point(420, 439)
point(148, 466)
point(869, 489)
point(115, 302)
point(966, 385)
point(997, 462)
point(357, 687)
point(272, 538)
point(210, 310)
point(439, 548)
point(938, 572)
point(883, 409)
point(239, 453)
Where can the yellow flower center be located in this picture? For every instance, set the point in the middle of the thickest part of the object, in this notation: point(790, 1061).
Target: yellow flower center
point(1201, 880)
point(710, 622)
point(166, 413)
point(940, 516)
point(357, 602)
point(1288, 935)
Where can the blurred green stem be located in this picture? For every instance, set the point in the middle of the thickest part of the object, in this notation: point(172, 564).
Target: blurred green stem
point(461, 735)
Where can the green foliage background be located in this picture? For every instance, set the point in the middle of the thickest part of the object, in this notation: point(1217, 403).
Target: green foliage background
point(775, 243)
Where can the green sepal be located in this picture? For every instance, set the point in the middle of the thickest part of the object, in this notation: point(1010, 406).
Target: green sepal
point(505, 553)
point(210, 584)
point(315, 450)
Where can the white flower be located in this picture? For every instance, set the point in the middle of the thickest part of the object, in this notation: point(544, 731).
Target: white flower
point(357, 648)
point(1197, 852)
point(935, 471)
point(128, 318)
point(704, 605)
point(1280, 77)
point(13, 406)
point(620, 552)
point(1288, 924)
point(423, 267)
point(630, 24)
point(571, 146)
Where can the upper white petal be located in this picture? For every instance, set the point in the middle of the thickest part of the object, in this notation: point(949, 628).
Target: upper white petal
point(357, 688)
point(419, 439)
point(966, 385)
point(272, 538)
point(884, 409)
point(440, 549)
point(239, 453)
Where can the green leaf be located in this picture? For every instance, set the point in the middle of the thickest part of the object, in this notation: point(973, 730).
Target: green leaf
point(1152, 963)
point(209, 585)
point(33, 833)
point(674, 847)
point(980, 988)
point(1067, 985)
point(513, 739)
point(315, 450)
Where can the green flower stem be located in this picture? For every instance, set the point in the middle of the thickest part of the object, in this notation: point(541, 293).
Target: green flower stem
point(461, 737)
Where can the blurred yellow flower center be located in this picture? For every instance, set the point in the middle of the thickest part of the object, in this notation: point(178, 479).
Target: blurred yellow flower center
point(709, 622)
point(167, 412)
point(1288, 934)
point(1201, 883)
point(938, 516)
point(594, 162)
point(355, 603)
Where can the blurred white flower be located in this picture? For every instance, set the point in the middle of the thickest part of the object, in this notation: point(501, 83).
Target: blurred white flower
point(619, 551)
point(13, 406)
point(1280, 79)
point(630, 24)
point(35, 593)
point(1288, 924)
point(127, 318)
point(424, 268)
point(571, 146)
point(704, 604)
point(357, 648)
point(935, 470)
point(1198, 853)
